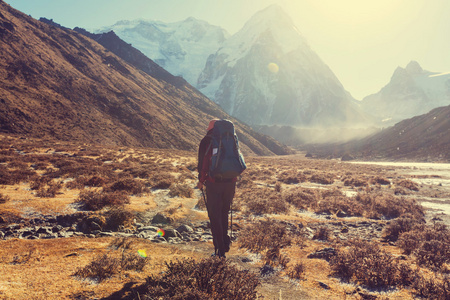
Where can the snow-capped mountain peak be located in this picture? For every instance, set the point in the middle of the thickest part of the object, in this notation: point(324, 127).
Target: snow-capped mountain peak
point(266, 74)
point(179, 47)
point(272, 21)
point(412, 91)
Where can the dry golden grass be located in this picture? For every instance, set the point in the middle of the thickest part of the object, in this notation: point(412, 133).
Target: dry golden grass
point(286, 190)
point(47, 272)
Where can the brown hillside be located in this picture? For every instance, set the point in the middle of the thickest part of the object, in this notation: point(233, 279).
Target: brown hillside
point(58, 83)
point(425, 137)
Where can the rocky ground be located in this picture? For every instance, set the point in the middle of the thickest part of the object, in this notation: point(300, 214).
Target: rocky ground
point(56, 236)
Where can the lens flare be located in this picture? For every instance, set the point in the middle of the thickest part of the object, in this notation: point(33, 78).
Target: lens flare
point(160, 232)
point(273, 67)
point(142, 253)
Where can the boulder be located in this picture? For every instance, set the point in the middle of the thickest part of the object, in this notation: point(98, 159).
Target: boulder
point(159, 218)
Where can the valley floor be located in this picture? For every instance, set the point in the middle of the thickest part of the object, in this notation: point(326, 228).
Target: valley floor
point(297, 223)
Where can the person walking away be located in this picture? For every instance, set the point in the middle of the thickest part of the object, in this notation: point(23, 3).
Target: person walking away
point(220, 162)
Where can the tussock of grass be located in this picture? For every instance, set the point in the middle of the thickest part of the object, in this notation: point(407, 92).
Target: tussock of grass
point(259, 201)
point(181, 190)
point(4, 198)
point(430, 245)
point(267, 237)
point(366, 263)
point(211, 278)
point(95, 200)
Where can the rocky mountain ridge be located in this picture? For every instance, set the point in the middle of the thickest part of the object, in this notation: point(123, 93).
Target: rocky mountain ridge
point(411, 91)
point(265, 74)
point(58, 83)
point(421, 138)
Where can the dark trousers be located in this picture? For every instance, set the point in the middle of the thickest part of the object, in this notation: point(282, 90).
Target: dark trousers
point(219, 197)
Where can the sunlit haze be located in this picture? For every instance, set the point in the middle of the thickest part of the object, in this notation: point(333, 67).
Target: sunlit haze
point(363, 42)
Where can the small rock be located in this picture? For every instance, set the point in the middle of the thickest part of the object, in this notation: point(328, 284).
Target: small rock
point(103, 233)
point(341, 214)
point(324, 285)
point(185, 228)
point(65, 234)
point(159, 239)
point(174, 240)
point(148, 228)
point(169, 233)
point(44, 230)
point(57, 228)
point(325, 253)
point(267, 270)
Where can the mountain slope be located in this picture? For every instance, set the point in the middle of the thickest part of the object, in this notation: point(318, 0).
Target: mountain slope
point(56, 82)
point(179, 47)
point(424, 137)
point(266, 74)
point(133, 56)
point(411, 91)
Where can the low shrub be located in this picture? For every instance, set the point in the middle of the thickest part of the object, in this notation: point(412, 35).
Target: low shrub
point(162, 180)
point(296, 271)
point(4, 198)
point(39, 182)
point(291, 177)
point(404, 223)
point(211, 278)
point(378, 205)
point(355, 182)
point(264, 234)
point(129, 185)
point(117, 217)
point(436, 287)
point(429, 244)
point(181, 190)
point(101, 268)
point(380, 180)
point(259, 201)
point(50, 190)
point(334, 201)
point(11, 177)
point(301, 198)
point(94, 200)
point(323, 233)
point(322, 178)
point(408, 184)
point(365, 263)
point(132, 261)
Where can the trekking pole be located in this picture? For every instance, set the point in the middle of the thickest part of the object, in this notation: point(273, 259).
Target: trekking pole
point(231, 225)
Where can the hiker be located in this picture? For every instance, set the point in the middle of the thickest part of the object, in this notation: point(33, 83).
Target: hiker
point(219, 164)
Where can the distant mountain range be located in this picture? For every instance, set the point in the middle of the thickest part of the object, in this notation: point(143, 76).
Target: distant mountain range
point(267, 75)
point(96, 88)
point(55, 82)
point(411, 91)
point(180, 47)
point(421, 138)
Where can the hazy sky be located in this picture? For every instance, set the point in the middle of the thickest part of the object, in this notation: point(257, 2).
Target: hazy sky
point(362, 41)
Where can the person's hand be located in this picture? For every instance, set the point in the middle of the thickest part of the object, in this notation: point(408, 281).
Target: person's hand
point(200, 185)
